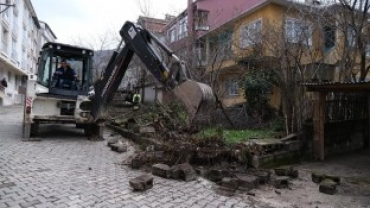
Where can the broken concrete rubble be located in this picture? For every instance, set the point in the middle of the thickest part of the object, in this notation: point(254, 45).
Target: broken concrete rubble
point(119, 147)
point(229, 184)
point(136, 161)
point(142, 182)
point(328, 186)
point(112, 141)
point(317, 177)
point(162, 170)
point(215, 175)
point(281, 182)
point(247, 182)
point(184, 172)
point(263, 175)
point(286, 171)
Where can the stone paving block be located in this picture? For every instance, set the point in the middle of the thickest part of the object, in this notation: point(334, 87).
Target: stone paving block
point(184, 172)
point(247, 182)
point(328, 186)
point(136, 161)
point(30, 204)
point(281, 182)
point(142, 182)
point(229, 184)
point(215, 175)
point(161, 170)
point(317, 177)
point(119, 147)
point(55, 168)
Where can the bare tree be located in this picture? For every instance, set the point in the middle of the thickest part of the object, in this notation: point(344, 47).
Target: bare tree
point(146, 7)
point(103, 45)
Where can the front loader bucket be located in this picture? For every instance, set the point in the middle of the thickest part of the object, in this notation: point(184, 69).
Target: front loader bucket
point(197, 97)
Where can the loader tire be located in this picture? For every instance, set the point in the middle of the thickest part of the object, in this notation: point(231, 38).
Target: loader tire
point(34, 129)
point(94, 131)
point(30, 130)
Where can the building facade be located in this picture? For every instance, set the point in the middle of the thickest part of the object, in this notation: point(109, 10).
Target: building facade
point(225, 39)
point(21, 38)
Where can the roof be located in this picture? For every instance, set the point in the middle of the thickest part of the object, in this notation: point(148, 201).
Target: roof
point(152, 24)
point(363, 86)
point(65, 45)
point(245, 8)
point(48, 28)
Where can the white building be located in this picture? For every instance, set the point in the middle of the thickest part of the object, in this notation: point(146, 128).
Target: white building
point(21, 36)
point(46, 34)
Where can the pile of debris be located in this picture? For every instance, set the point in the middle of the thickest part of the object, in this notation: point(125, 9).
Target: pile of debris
point(328, 183)
point(178, 153)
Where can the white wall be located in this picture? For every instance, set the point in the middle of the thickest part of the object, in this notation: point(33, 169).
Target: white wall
point(19, 45)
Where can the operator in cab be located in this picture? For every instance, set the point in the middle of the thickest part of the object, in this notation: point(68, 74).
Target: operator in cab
point(65, 76)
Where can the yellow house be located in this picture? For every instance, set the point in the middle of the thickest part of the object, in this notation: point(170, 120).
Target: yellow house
point(280, 35)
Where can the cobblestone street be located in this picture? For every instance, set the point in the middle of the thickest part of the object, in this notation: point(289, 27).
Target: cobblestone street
point(64, 169)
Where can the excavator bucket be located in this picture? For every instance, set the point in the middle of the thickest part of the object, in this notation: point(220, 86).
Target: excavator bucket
point(197, 97)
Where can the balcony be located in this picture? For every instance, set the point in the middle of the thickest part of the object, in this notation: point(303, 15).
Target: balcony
point(15, 29)
point(4, 48)
point(202, 27)
point(5, 17)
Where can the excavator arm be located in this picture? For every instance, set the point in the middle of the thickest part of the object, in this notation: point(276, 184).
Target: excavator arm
point(197, 97)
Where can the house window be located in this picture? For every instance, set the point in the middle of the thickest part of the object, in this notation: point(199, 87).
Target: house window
point(224, 44)
point(251, 33)
point(329, 37)
point(351, 36)
point(183, 29)
point(297, 31)
point(14, 49)
point(201, 20)
point(10, 78)
point(231, 86)
point(4, 40)
point(201, 52)
point(172, 35)
point(16, 82)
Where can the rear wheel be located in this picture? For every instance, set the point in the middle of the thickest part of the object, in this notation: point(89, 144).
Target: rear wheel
point(30, 130)
point(34, 129)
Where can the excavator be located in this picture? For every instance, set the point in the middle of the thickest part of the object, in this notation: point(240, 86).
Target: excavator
point(83, 103)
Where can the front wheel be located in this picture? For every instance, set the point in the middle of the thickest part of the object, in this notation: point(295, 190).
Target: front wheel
point(94, 131)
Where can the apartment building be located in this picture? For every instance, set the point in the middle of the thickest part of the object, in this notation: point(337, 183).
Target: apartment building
point(21, 38)
point(45, 33)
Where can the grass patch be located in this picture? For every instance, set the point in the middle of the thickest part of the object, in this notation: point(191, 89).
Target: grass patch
point(236, 136)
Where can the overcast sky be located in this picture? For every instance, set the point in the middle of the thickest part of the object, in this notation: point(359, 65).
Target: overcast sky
point(71, 19)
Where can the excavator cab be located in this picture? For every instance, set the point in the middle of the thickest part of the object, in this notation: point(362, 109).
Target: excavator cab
point(64, 69)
